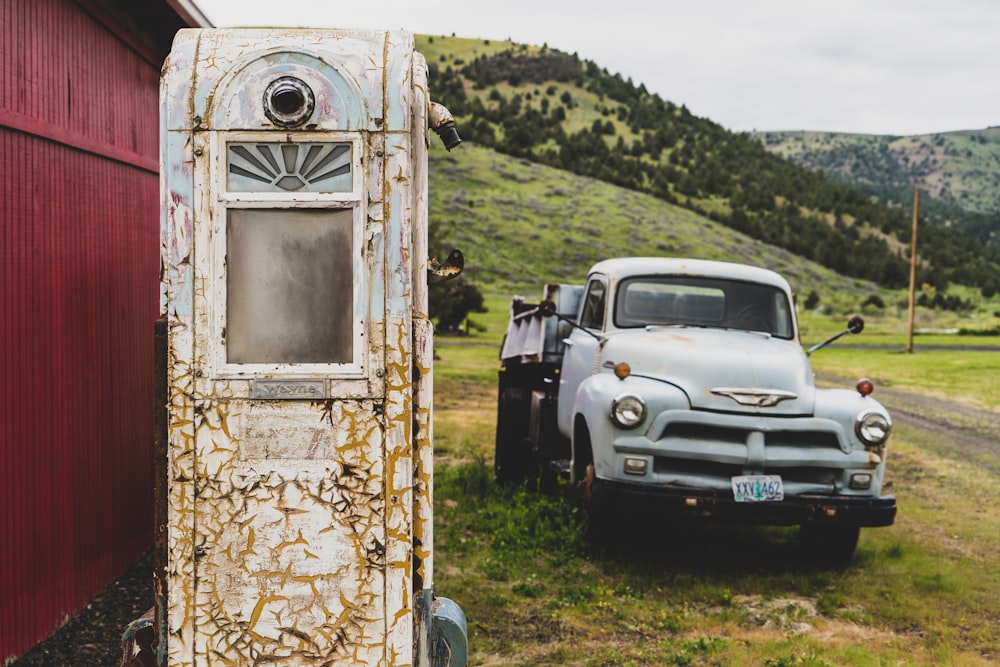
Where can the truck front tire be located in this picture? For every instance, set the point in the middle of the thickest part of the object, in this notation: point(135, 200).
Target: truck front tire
point(828, 545)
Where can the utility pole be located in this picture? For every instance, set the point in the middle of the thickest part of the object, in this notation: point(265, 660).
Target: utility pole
point(913, 270)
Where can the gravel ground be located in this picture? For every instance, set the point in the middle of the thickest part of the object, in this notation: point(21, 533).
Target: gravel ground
point(93, 637)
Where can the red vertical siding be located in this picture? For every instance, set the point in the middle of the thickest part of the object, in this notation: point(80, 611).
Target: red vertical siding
point(78, 290)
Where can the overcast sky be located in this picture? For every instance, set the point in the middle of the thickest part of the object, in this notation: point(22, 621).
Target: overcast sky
point(896, 67)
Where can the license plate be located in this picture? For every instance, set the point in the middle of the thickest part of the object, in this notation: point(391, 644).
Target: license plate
point(757, 488)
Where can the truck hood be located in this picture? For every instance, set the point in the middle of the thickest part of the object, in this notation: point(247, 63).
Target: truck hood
point(721, 370)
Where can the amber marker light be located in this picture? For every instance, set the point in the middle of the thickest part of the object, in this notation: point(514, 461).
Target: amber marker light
point(622, 370)
point(865, 386)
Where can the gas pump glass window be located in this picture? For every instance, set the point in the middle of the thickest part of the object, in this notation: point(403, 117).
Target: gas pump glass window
point(289, 271)
point(290, 286)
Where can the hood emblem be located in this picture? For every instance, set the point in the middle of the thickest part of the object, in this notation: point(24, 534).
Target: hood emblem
point(761, 398)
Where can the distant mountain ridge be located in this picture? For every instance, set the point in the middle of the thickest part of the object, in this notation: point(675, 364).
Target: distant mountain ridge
point(552, 108)
point(958, 172)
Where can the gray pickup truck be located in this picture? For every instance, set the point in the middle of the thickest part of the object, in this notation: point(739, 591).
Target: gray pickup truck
point(679, 387)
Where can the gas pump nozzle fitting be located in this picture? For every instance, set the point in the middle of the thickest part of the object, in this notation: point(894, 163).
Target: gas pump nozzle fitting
point(443, 123)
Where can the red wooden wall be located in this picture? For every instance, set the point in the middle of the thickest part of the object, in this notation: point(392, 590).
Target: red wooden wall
point(79, 230)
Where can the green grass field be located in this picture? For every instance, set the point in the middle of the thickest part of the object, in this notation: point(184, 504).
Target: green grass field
point(921, 592)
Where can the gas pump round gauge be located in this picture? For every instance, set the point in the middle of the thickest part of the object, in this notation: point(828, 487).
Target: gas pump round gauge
point(288, 101)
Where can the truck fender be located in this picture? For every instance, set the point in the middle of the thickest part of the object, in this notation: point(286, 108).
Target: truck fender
point(593, 430)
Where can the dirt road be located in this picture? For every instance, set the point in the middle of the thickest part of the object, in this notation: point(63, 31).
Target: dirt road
point(941, 425)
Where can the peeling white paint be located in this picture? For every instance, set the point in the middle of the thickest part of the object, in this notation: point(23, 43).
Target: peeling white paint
point(294, 524)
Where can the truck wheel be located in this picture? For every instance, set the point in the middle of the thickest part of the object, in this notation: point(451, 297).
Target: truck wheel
point(828, 546)
point(598, 527)
point(582, 452)
point(512, 458)
point(548, 480)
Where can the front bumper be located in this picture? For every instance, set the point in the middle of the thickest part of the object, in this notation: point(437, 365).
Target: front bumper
point(610, 496)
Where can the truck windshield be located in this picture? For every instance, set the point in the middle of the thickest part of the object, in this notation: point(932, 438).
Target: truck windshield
point(702, 302)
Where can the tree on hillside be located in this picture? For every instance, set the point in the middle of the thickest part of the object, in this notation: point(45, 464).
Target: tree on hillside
point(452, 302)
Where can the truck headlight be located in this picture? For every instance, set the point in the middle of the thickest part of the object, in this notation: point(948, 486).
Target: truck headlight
point(628, 411)
point(872, 427)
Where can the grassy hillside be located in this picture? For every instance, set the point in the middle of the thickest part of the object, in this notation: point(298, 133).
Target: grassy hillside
point(958, 172)
point(552, 108)
point(521, 224)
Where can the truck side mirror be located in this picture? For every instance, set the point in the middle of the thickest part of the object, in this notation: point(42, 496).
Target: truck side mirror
point(855, 325)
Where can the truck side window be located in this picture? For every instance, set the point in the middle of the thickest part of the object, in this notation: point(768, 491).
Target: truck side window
point(592, 316)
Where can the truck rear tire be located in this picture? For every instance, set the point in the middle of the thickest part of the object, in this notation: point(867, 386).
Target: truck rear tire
point(512, 457)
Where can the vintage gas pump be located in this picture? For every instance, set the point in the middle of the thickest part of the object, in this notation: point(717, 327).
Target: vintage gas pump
point(297, 498)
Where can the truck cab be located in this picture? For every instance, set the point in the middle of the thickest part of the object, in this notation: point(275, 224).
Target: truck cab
point(680, 386)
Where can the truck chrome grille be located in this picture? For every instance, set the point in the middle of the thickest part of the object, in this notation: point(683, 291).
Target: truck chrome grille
point(711, 433)
point(700, 454)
